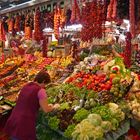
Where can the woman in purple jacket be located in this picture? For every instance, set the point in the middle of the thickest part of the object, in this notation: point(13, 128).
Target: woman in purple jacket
point(21, 124)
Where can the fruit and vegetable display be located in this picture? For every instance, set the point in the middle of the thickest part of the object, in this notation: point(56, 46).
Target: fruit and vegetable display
point(134, 104)
point(95, 74)
point(16, 72)
point(89, 93)
point(136, 61)
point(77, 121)
point(96, 100)
point(96, 125)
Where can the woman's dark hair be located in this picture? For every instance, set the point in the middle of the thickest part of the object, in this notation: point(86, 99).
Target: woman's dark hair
point(42, 77)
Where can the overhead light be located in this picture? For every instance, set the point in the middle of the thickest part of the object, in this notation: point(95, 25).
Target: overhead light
point(48, 30)
point(73, 27)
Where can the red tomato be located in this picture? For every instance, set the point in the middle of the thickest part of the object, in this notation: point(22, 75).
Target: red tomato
point(89, 87)
point(70, 80)
point(108, 87)
point(102, 86)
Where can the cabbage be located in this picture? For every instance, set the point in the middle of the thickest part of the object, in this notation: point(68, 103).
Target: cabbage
point(83, 130)
point(81, 115)
point(106, 126)
point(116, 112)
point(119, 115)
point(95, 119)
point(115, 124)
point(99, 132)
point(69, 130)
point(86, 131)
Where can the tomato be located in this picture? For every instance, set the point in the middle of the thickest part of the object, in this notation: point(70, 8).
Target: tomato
point(97, 78)
point(108, 87)
point(102, 86)
point(102, 76)
point(89, 87)
point(86, 76)
point(70, 80)
point(84, 83)
point(93, 84)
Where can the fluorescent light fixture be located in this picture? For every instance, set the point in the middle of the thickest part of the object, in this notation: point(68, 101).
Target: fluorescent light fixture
point(73, 27)
point(48, 30)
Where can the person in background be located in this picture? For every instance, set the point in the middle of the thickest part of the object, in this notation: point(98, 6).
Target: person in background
point(21, 124)
point(111, 48)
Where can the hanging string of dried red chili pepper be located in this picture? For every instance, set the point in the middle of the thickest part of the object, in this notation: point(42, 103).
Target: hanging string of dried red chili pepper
point(2, 32)
point(38, 33)
point(75, 17)
point(56, 23)
point(112, 10)
point(127, 51)
point(28, 29)
point(59, 21)
point(17, 23)
point(10, 25)
point(92, 19)
point(49, 19)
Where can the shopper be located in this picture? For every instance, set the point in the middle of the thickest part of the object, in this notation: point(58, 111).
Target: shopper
point(21, 124)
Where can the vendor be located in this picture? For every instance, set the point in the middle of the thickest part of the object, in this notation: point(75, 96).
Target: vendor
point(21, 124)
point(17, 47)
point(111, 43)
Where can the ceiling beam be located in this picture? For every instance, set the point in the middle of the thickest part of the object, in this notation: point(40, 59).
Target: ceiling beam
point(23, 6)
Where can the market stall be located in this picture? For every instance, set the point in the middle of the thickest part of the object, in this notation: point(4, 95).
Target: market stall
point(91, 52)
